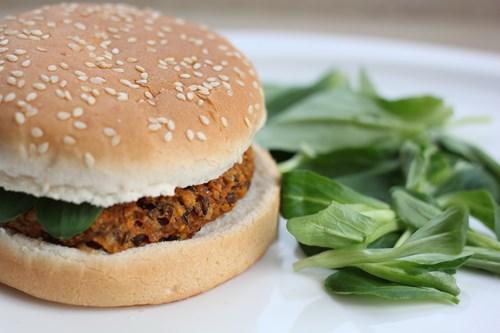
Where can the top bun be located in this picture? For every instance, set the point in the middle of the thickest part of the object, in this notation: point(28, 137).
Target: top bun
point(107, 103)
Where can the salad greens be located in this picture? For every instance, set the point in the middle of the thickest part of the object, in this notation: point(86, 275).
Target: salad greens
point(61, 220)
point(356, 282)
point(64, 220)
point(13, 204)
point(374, 189)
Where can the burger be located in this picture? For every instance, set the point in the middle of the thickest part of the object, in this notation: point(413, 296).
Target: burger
point(127, 170)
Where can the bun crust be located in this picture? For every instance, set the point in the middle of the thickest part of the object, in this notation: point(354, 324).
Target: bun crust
point(107, 103)
point(156, 273)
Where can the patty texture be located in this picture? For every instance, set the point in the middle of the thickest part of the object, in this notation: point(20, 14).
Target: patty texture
point(155, 219)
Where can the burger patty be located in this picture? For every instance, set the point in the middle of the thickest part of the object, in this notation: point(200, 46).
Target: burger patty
point(155, 219)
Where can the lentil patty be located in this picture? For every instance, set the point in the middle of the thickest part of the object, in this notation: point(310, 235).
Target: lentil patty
point(155, 219)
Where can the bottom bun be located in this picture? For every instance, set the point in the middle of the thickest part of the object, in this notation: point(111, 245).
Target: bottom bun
point(156, 273)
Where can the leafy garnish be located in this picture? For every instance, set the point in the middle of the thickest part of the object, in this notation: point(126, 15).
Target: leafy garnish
point(356, 282)
point(341, 225)
point(472, 154)
point(332, 120)
point(373, 187)
point(64, 220)
point(481, 204)
point(280, 98)
point(305, 192)
point(13, 204)
point(444, 234)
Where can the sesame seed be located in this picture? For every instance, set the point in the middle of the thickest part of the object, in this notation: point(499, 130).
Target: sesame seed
point(108, 131)
point(168, 136)
point(181, 96)
point(80, 26)
point(52, 68)
point(185, 76)
point(148, 94)
point(31, 111)
point(79, 125)
point(247, 122)
point(224, 122)
point(110, 91)
point(91, 100)
point(31, 96)
point(154, 127)
point(201, 136)
point(36, 32)
point(20, 118)
point(39, 86)
point(43, 147)
point(171, 124)
point(9, 97)
point(204, 91)
point(129, 84)
point(11, 57)
point(217, 68)
point(69, 140)
point(122, 96)
point(17, 74)
point(78, 112)
point(97, 80)
point(11, 81)
point(131, 59)
point(74, 47)
point(21, 83)
point(115, 141)
point(190, 135)
point(89, 159)
point(44, 78)
point(204, 120)
point(20, 52)
point(63, 115)
point(60, 93)
point(36, 132)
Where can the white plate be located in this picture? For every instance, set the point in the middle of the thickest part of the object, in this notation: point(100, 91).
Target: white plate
point(270, 297)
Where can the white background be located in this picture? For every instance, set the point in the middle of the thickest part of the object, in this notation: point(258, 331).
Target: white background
point(270, 297)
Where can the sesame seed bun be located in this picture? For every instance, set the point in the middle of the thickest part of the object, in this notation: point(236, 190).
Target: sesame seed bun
point(107, 103)
point(156, 273)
